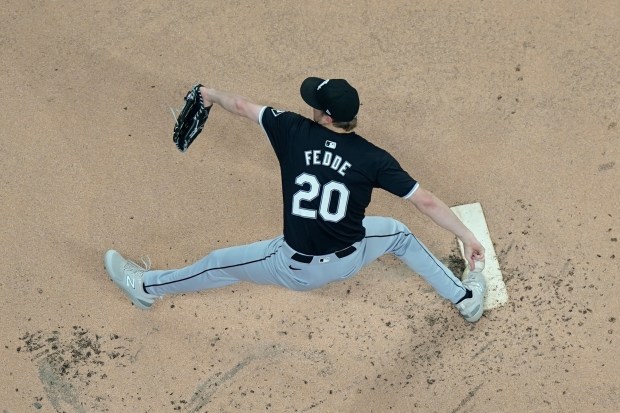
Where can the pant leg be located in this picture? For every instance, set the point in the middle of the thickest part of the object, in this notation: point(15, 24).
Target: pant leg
point(260, 263)
point(387, 235)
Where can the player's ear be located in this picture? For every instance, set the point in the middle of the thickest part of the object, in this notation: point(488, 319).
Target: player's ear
point(328, 120)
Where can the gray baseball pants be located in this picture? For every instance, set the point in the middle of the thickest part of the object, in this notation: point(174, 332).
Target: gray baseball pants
point(275, 262)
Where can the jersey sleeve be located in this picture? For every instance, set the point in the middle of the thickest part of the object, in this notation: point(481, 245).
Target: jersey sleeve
point(279, 126)
point(392, 178)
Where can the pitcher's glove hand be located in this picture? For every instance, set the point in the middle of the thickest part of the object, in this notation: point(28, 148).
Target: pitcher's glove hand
point(191, 119)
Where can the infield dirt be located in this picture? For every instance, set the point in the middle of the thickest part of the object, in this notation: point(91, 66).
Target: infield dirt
point(514, 105)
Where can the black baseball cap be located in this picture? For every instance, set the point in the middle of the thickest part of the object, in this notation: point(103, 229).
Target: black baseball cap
point(336, 97)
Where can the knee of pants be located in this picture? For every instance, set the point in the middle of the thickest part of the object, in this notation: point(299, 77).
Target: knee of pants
point(403, 241)
point(383, 226)
point(402, 246)
point(402, 227)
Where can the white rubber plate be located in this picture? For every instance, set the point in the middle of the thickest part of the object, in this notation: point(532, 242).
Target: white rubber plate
point(473, 218)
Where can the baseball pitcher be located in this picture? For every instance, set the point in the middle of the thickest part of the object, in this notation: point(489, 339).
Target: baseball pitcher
point(328, 173)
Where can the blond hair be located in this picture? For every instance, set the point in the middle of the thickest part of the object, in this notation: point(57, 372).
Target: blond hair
point(347, 126)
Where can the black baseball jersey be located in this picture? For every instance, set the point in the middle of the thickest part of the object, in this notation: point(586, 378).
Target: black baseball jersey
point(327, 181)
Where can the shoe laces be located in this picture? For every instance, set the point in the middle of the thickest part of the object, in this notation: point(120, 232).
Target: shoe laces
point(137, 269)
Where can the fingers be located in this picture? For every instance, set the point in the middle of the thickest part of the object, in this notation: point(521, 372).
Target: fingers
point(470, 257)
point(475, 264)
point(478, 259)
point(474, 254)
point(205, 97)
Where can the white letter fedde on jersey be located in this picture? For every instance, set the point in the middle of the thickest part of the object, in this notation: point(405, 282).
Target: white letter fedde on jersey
point(326, 158)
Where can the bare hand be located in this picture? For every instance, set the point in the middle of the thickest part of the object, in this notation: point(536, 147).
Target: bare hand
point(205, 96)
point(474, 252)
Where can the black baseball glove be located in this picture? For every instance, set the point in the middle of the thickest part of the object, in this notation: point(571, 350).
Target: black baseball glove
point(191, 119)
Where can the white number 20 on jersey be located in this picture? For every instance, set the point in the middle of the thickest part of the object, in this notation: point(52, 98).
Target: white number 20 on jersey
point(327, 211)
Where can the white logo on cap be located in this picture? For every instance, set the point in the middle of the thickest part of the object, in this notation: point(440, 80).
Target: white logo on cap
point(322, 84)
